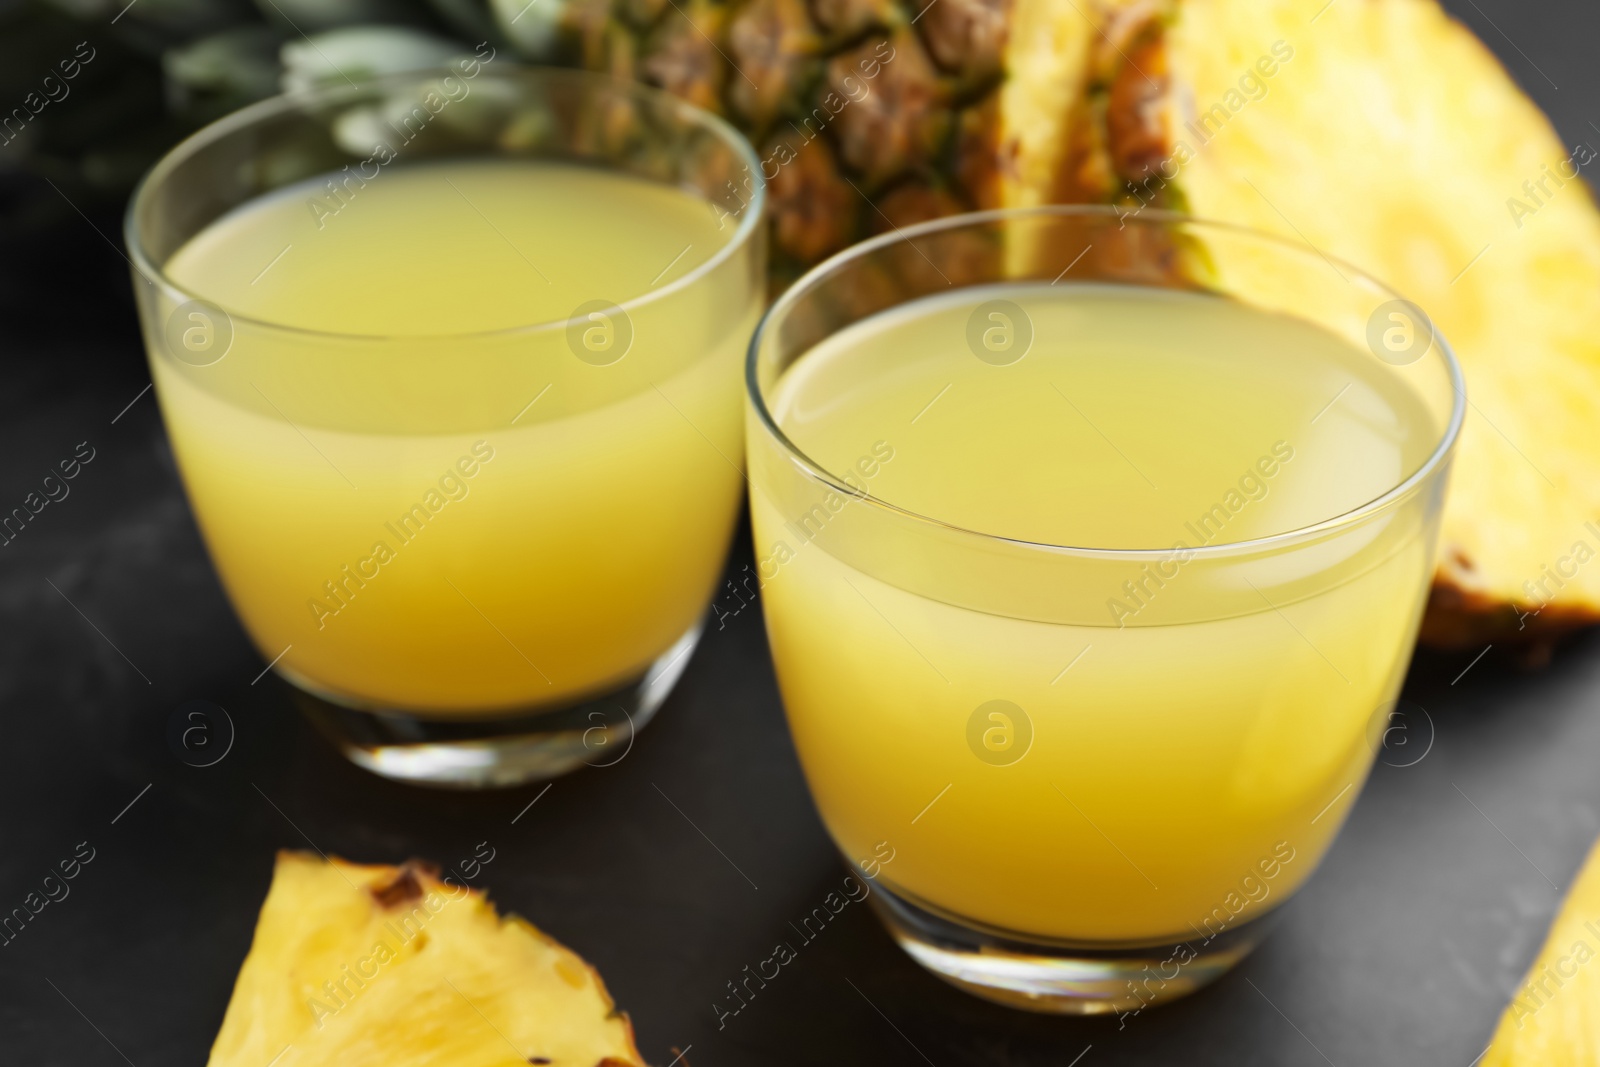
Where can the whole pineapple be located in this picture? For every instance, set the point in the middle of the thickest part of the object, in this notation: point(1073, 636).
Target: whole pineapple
point(866, 114)
point(873, 114)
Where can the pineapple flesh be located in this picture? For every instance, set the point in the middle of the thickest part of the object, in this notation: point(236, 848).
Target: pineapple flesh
point(1553, 1019)
point(356, 964)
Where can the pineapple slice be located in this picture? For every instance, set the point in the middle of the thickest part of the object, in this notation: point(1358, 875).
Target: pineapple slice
point(1554, 1018)
point(355, 964)
point(1386, 135)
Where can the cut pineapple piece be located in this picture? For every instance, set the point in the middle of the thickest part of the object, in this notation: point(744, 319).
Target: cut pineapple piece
point(1386, 135)
point(356, 964)
point(1554, 1018)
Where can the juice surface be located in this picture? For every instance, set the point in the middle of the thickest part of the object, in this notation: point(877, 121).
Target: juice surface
point(1171, 755)
point(449, 248)
point(435, 517)
point(1132, 413)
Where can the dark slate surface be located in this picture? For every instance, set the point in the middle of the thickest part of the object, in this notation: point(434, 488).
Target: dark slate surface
point(1401, 951)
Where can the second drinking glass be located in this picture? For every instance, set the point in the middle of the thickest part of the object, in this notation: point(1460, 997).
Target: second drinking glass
point(1092, 550)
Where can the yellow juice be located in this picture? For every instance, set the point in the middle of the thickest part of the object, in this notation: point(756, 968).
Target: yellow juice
point(1096, 748)
point(414, 494)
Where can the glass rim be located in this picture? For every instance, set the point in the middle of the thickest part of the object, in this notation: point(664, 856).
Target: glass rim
point(1390, 498)
point(753, 213)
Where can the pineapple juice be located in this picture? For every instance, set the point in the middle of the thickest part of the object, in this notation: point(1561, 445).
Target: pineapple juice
point(421, 501)
point(1158, 746)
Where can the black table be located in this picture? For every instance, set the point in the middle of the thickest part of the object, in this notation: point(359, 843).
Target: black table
point(1402, 950)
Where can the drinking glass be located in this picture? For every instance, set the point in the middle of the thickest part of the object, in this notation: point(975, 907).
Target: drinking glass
point(478, 557)
point(1065, 808)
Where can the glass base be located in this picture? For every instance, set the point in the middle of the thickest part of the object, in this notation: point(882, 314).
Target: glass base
point(503, 751)
point(1062, 978)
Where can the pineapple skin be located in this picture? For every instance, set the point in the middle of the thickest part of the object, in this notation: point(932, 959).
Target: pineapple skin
point(355, 964)
point(856, 107)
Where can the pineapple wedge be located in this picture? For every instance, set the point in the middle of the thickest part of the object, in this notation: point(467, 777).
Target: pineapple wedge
point(1554, 1018)
point(1385, 134)
point(356, 964)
